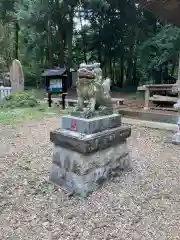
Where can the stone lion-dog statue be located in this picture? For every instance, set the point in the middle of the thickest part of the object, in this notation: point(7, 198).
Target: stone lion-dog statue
point(92, 88)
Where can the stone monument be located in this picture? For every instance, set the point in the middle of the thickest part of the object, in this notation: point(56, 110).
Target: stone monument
point(91, 145)
point(176, 136)
point(175, 139)
point(17, 76)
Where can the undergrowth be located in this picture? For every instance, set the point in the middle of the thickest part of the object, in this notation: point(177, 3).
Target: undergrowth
point(20, 100)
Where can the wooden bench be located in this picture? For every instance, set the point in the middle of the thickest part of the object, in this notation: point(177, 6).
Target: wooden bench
point(148, 89)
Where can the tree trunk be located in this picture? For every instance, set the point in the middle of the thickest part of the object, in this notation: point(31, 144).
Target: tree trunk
point(135, 79)
point(61, 50)
point(49, 47)
point(6, 28)
point(114, 72)
point(83, 38)
point(60, 44)
point(178, 81)
point(165, 71)
point(132, 47)
point(99, 55)
point(105, 72)
point(110, 68)
point(120, 84)
point(59, 26)
point(70, 37)
point(129, 71)
point(16, 47)
point(174, 63)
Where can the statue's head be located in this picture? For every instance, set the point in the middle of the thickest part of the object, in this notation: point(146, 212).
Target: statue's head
point(96, 65)
point(85, 74)
point(82, 65)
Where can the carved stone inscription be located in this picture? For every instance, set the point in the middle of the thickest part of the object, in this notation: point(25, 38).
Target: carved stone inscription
point(100, 143)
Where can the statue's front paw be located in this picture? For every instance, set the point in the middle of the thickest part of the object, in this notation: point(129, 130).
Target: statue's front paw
point(102, 107)
point(174, 89)
point(88, 113)
point(177, 105)
point(76, 108)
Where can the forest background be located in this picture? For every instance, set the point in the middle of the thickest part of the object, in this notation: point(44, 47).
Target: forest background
point(133, 46)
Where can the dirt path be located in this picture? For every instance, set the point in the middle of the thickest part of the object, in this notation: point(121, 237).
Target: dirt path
point(142, 204)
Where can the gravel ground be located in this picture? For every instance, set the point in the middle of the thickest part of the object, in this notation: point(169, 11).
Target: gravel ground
point(142, 204)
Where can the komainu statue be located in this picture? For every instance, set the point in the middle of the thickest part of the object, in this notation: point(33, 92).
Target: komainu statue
point(92, 87)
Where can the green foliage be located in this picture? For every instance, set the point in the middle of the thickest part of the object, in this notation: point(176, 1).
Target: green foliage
point(161, 48)
point(6, 44)
point(128, 41)
point(6, 10)
point(20, 100)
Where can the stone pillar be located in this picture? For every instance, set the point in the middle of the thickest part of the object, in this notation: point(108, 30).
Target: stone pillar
point(88, 152)
point(176, 136)
point(147, 95)
point(17, 76)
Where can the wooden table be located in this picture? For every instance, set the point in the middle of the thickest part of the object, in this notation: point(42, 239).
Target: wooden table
point(154, 88)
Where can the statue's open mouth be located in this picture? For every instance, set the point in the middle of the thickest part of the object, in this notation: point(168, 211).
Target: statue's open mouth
point(86, 76)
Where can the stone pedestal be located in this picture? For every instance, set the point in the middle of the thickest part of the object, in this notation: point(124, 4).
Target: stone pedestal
point(88, 152)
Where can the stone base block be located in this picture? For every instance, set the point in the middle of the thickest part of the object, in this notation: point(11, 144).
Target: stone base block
point(92, 125)
point(87, 144)
point(98, 113)
point(82, 174)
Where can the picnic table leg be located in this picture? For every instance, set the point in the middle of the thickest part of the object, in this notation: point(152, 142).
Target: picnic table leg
point(147, 95)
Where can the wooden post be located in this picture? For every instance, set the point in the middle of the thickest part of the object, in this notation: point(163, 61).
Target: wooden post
point(49, 99)
point(63, 101)
point(147, 95)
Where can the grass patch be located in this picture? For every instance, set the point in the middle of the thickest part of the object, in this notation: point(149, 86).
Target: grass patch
point(39, 94)
point(24, 106)
point(19, 115)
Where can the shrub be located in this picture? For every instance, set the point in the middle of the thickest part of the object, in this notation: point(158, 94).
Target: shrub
point(20, 100)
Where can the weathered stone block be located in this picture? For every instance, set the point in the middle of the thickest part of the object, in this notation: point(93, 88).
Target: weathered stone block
point(92, 125)
point(81, 175)
point(92, 142)
point(81, 164)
